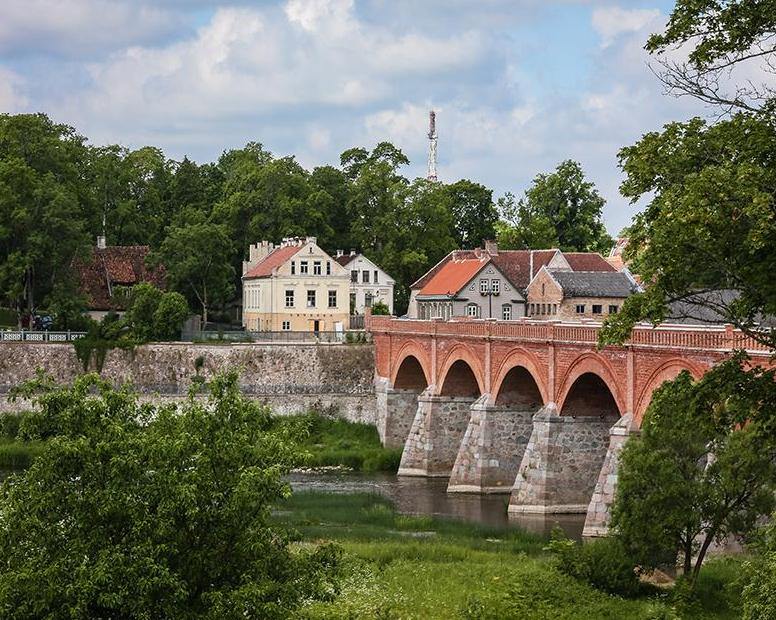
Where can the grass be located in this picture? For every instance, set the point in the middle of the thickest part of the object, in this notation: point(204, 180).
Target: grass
point(397, 566)
point(331, 441)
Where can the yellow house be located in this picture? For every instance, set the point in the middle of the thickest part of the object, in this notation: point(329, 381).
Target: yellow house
point(294, 286)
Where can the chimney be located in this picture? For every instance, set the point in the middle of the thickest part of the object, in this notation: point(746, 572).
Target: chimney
point(491, 247)
point(340, 253)
point(352, 252)
point(312, 240)
point(101, 242)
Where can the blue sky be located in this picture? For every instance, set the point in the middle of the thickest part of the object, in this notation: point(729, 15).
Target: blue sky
point(519, 85)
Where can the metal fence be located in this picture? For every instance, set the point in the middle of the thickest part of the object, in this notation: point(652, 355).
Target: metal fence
point(28, 335)
point(285, 337)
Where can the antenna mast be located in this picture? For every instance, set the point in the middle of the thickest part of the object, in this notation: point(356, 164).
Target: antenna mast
point(432, 147)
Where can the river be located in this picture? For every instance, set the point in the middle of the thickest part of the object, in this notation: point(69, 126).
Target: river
point(429, 496)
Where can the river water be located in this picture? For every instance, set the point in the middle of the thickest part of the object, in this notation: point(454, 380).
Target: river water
point(429, 496)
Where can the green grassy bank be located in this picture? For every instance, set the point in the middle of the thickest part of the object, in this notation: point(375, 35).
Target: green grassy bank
point(399, 566)
point(331, 442)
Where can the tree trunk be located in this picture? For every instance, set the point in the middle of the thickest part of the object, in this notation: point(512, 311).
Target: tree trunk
point(688, 556)
point(702, 554)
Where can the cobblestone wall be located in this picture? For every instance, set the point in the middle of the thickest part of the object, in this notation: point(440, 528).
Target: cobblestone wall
point(561, 463)
point(395, 414)
point(436, 434)
point(491, 450)
point(291, 378)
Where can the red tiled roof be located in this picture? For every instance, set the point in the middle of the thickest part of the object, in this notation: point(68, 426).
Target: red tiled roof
point(345, 259)
point(519, 266)
point(587, 261)
point(274, 259)
point(453, 276)
point(116, 265)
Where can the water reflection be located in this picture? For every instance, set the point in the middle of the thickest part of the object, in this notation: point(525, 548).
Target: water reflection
point(428, 496)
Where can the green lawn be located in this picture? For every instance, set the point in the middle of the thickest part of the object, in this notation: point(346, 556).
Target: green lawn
point(398, 566)
point(331, 441)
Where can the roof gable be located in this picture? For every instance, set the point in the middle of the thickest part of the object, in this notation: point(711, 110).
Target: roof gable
point(453, 276)
point(272, 261)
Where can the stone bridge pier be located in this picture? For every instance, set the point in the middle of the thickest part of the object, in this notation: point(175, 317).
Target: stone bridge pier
point(566, 451)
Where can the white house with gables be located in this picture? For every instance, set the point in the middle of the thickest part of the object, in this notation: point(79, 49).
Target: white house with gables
point(368, 282)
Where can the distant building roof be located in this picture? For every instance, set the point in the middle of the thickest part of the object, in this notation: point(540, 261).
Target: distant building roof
point(594, 283)
point(520, 266)
point(272, 261)
point(112, 266)
point(587, 261)
point(453, 276)
point(344, 259)
point(709, 308)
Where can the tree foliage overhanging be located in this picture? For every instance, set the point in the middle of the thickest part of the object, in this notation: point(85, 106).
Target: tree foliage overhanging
point(141, 511)
point(56, 191)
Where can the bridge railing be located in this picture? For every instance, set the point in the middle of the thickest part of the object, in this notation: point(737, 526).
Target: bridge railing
point(703, 337)
point(27, 335)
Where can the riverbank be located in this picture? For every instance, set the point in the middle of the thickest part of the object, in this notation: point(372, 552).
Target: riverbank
point(400, 566)
point(327, 441)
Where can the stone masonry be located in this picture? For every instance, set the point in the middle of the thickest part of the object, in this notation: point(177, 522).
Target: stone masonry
point(492, 449)
point(291, 378)
point(437, 431)
point(395, 413)
point(598, 512)
point(561, 463)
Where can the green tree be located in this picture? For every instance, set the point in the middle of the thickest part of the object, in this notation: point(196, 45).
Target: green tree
point(561, 209)
point(197, 259)
point(759, 592)
point(154, 512)
point(474, 215)
point(708, 226)
point(703, 468)
point(170, 315)
point(142, 302)
point(722, 37)
point(380, 308)
point(41, 206)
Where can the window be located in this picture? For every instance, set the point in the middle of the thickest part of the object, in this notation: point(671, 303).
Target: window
point(368, 299)
point(303, 266)
point(293, 267)
point(544, 309)
point(542, 289)
point(555, 308)
point(472, 310)
point(580, 308)
point(506, 312)
point(332, 299)
point(365, 276)
point(311, 299)
point(495, 286)
point(613, 309)
point(286, 326)
point(328, 267)
point(484, 287)
point(316, 268)
point(289, 298)
point(354, 276)
point(597, 308)
point(375, 274)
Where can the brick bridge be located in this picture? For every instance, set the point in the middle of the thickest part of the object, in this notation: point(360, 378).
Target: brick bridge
point(529, 408)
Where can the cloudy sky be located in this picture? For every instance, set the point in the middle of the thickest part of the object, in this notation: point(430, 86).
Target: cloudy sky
point(518, 85)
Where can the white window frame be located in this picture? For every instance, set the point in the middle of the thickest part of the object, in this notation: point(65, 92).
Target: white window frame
point(334, 292)
point(286, 326)
point(303, 267)
point(506, 312)
point(473, 310)
point(314, 298)
point(317, 268)
point(484, 286)
point(495, 286)
point(290, 298)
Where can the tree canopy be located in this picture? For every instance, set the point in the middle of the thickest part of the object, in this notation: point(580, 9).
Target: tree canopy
point(153, 511)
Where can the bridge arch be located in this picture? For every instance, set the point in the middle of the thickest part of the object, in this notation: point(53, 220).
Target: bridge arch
point(589, 383)
point(411, 359)
point(667, 371)
point(519, 380)
point(461, 374)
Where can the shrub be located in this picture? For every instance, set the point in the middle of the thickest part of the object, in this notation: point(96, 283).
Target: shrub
point(603, 563)
point(170, 315)
point(9, 424)
point(379, 308)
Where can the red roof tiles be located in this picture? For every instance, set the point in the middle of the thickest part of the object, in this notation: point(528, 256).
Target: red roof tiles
point(587, 261)
point(116, 265)
point(453, 276)
point(273, 260)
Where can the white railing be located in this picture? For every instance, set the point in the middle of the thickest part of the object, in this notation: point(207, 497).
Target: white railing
point(28, 335)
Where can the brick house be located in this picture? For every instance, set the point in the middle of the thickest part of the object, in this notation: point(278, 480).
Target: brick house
point(106, 269)
point(574, 295)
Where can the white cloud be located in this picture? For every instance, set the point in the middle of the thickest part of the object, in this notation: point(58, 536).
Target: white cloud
point(614, 21)
point(11, 99)
point(77, 28)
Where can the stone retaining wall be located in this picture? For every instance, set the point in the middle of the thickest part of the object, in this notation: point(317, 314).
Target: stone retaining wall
point(291, 378)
